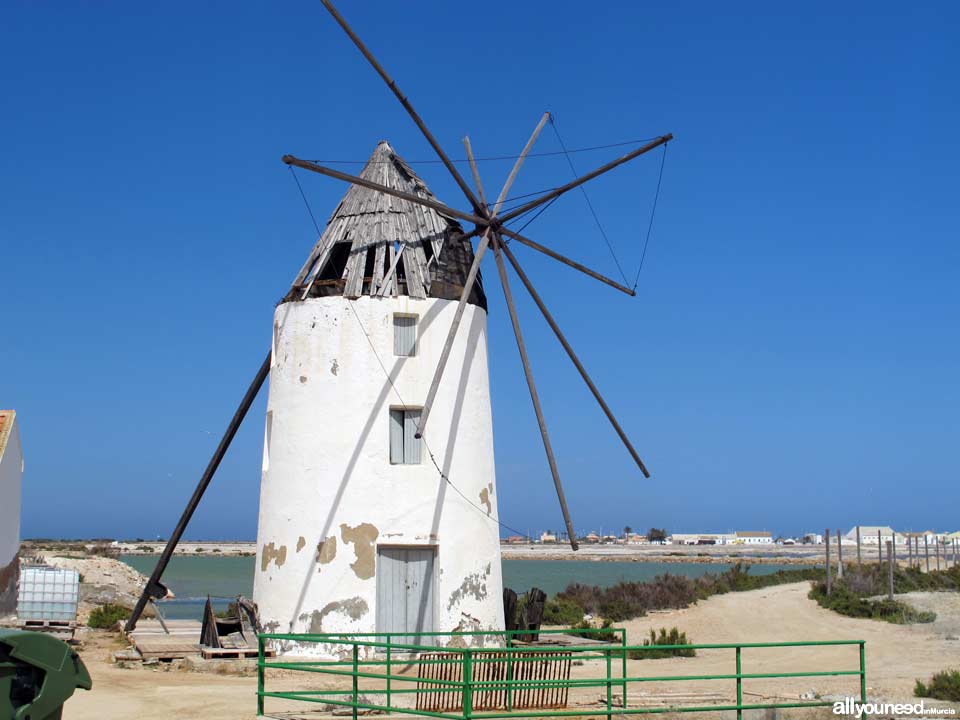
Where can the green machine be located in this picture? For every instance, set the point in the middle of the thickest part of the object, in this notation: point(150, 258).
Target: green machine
point(38, 673)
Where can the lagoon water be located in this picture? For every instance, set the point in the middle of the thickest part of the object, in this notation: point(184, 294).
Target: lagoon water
point(193, 578)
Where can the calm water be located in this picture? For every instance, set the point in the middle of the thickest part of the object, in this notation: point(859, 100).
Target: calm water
point(192, 578)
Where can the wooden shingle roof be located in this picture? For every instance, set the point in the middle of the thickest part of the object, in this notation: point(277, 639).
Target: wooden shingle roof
point(379, 245)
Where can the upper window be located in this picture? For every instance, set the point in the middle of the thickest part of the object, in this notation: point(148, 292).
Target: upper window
point(405, 335)
point(404, 445)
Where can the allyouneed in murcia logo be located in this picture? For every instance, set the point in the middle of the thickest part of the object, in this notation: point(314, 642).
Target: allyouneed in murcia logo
point(850, 706)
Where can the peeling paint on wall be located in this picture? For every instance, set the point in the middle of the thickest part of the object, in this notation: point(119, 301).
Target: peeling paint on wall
point(327, 550)
point(473, 585)
point(271, 553)
point(485, 499)
point(303, 378)
point(363, 537)
point(334, 367)
point(301, 542)
point(354, 608)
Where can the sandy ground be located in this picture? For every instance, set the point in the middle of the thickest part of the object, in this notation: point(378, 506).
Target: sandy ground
point(896, 656)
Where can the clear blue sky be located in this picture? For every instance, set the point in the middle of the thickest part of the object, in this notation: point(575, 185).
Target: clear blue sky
point(790, 361)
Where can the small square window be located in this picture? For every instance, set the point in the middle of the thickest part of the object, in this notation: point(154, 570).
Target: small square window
point(404, 445)
point(405, 335)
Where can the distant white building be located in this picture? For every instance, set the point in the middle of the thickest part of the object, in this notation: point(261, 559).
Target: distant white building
point(547, 537)
point(752, 537)
point(869, 534)
point(11, 471)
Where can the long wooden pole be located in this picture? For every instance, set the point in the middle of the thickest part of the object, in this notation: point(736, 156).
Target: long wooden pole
point(565, 260)
point(541, 421)
point(573, 357)
point(839, 556)
point(477, 208)
point(826, 539)
point(557, 192)
point(410, 197)
point(890, 570)
point(153, 584)
point(474, 269)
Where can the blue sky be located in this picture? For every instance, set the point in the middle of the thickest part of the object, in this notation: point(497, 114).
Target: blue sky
point(790, 360)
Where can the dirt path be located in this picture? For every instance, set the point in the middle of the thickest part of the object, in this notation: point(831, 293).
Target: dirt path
point(896, 656)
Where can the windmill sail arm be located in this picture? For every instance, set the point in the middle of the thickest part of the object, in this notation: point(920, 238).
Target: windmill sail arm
point(573, 357)
point(565, 260)
point(547, 197)
point(406, 105)
point(355, 180)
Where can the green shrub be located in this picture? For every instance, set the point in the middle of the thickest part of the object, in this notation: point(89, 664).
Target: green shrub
point(666, 637)
point(846, 602)
point(144, 549)
point(627, 600)
point(586, 630)
point(945, 685)
point(560, 611)
point(107, 616)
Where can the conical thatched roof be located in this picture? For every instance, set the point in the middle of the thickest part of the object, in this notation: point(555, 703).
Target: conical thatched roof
point(379, 245)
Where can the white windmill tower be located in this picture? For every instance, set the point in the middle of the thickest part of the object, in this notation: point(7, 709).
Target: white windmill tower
point(359, 529)
point(368, 520)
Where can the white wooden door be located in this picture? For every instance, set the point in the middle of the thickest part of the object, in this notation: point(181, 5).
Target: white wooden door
point(405, 592)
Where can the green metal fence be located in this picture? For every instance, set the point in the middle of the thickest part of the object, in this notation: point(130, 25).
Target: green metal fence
point(359, 656)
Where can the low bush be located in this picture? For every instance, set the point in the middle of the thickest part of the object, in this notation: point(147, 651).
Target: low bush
point(586, 630)
point(107, 616)
point(666, 637)
point(846, 602)
point(945, 685)
point(561, 611)
point(627, 600)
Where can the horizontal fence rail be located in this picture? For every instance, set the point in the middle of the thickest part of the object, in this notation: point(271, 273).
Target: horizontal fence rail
point(502, 675)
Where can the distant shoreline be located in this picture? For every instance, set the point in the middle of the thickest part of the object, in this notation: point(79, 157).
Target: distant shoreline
point(688, 554)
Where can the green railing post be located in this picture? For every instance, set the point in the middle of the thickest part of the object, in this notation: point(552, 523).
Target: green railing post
point(863, 676)
point(510, 680)
point(389, 673)
point(609, 685)
point(739, 687)
point(467, 684)
point(355, 679)
point(623, 663)
point(260, 674)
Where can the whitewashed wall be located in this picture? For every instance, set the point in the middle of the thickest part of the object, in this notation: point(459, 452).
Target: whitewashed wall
point(329, 495)
point(11, 470)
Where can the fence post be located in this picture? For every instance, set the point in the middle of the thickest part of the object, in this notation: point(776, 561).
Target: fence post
point(858, 546)
point(926, 549)
point(609, 685)
point(260, 675)
point(909, 552)
point(916, 551)
point(355, 679)
point(467, 684)
point(839, 556)
point(739, 687)
point(890, 569)
point(863, 677)
point(510, 678)
point(389, 671)
point(879, 549)
point(894, 538)
point(936, 550)
point(623, 662)
point(826, 539)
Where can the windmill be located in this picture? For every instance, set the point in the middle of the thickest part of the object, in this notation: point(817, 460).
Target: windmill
point(399, 262)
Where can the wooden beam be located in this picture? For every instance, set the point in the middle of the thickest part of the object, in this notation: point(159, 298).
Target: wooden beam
point(476, 172)
point(528, 372)
point(477, 207)
point(356, 180)
point(565, 260)
point(547, 197)
point(238, 416)
point(573, 357)
point(474, 268)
